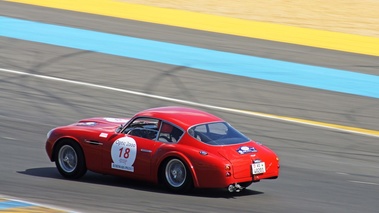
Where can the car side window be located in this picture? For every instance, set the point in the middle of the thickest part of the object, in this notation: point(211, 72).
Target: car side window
point(169, 133)
point(143, 127)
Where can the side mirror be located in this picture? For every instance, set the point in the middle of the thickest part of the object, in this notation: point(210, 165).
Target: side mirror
point(119, 128)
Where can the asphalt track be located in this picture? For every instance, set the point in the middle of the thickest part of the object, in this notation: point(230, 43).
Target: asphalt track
point(322, 170)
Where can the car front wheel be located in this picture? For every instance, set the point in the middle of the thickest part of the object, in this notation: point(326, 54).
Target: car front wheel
point(69, 160)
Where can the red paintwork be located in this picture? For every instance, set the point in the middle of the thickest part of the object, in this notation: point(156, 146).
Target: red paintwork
point(208, 171)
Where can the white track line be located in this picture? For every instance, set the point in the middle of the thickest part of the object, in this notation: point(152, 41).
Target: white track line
point(363, 182)
point(372, 133)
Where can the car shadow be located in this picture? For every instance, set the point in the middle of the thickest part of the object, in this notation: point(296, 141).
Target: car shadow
point(108, 180)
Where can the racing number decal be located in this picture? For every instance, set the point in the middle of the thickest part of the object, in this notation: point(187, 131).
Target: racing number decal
point(116, 120)
point(124, 152)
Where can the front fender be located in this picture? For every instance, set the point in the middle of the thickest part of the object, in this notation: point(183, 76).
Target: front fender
point(51, 145)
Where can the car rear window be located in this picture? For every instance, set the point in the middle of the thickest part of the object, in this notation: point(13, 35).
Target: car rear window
point(218, 133)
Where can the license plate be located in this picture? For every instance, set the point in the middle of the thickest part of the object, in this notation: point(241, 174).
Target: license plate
point(258, 168)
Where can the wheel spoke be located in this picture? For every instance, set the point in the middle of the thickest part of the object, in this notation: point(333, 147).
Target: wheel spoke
point(175, 173)
point(67, 158)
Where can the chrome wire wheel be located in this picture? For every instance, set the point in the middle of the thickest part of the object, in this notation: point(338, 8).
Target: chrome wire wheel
point(175, 173)
point(67, 158)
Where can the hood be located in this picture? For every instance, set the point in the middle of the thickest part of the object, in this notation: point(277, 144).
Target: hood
point(101, 123)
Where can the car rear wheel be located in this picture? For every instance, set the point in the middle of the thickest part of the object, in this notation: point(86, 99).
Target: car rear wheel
point(69, 160)
point(176, 176)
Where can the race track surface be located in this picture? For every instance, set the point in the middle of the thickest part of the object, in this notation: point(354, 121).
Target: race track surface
point(322, 170)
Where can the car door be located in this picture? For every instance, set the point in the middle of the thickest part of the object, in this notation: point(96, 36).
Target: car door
point(129, 153)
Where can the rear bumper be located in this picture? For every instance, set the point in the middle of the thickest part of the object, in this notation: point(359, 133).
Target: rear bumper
point(222, 179)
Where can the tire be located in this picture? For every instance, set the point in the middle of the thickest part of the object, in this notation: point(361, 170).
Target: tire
point(69, 160)
point(176, 176)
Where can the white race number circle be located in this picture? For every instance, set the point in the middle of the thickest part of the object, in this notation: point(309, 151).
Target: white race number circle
point(117, 120)
point(124, 153)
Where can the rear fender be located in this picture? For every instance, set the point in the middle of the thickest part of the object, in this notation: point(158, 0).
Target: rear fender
point(175, 154)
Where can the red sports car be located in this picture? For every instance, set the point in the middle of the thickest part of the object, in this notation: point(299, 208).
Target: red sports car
point(177, 146)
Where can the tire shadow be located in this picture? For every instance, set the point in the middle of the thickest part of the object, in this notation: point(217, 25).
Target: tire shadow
point(108, 180)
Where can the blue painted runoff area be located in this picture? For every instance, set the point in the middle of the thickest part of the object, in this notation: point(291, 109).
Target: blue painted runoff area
point(9, 204)
point(193, 57)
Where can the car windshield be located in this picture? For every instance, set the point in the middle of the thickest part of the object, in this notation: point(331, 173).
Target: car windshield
point(219, 133)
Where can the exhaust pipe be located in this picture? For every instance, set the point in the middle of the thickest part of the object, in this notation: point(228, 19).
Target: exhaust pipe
point(235, 187)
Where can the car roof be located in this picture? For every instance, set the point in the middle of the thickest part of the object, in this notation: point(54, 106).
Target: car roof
point(182, 116)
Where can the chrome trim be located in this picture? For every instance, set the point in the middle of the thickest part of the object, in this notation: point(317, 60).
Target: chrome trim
point(146, 150)
point(93, 142)
point(203, 152)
